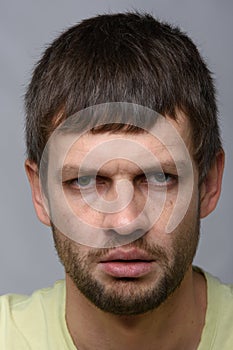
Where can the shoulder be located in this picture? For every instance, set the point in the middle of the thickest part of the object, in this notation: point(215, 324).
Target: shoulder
point(15, 302)
point(25, 318)
point(218, 330)
point(219, 292)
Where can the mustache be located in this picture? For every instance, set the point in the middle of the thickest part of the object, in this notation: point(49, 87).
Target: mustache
point(152, 250)
point(93, 254)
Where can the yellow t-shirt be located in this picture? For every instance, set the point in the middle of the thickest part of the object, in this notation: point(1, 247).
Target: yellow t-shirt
point(38, 322)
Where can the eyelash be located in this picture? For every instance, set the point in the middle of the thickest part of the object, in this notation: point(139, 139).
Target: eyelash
point(169, 179)
point(142, 178)
point(74, 182)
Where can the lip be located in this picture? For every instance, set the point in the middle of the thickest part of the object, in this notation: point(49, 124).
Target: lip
point(131, 254)
point(131, 263)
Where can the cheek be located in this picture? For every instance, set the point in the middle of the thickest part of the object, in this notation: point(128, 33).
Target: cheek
point(72, 209)
point(180, 210)
point(165, 214)
point(182, 223)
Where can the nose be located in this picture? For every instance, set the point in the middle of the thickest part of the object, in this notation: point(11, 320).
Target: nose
point(132, 219)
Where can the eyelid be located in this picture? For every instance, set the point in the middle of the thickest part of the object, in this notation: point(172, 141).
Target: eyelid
point(93, 181)
point(155, 172)
point(139, 177)
point(173, 179)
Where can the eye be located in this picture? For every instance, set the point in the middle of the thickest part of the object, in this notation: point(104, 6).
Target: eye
point(84, 182)
point(160, 179)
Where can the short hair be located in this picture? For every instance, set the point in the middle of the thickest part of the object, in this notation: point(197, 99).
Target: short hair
point(124, 57)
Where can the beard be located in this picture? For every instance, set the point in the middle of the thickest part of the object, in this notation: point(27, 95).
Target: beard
point(130, 296)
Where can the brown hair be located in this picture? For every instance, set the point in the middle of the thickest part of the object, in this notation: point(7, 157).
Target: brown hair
point(125, 57)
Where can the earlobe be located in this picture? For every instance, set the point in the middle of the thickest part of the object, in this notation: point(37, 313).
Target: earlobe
point(37, 197)
point(211, 187)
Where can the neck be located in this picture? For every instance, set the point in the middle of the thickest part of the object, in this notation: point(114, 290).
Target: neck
point(176, 324)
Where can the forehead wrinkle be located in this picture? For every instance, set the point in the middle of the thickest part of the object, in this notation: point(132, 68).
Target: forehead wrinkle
point(163, 153)
point(92, 141)
point(157, 150)
point(168, 165)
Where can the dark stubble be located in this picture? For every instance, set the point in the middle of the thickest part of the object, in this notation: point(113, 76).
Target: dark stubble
point(129, 296)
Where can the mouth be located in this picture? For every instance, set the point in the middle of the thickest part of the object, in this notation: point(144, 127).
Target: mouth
point(131, 263)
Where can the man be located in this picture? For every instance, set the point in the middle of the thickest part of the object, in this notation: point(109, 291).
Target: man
point(124, 159)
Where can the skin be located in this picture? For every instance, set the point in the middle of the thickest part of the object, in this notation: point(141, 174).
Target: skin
point(177, 322)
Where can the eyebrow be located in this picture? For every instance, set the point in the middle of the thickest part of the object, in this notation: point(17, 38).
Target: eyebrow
point(69, 170)
point(74, 170)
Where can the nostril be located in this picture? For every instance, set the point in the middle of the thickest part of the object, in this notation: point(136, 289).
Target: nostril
point(125, 232)
point(114, 238)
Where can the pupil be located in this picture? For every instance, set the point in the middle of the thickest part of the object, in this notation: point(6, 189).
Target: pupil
point(160, 177)
point(84, 180)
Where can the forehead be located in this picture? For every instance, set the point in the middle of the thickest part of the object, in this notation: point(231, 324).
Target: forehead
point(165, 134)
point(168, 140)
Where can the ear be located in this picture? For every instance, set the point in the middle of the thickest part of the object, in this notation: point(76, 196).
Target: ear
point(211, 187)
point(37, 197)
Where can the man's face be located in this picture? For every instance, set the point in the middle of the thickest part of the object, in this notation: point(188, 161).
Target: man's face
point(139, 273)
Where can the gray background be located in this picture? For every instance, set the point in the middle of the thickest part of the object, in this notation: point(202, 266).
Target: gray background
point(27, 258)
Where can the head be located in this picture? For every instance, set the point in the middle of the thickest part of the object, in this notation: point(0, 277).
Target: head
point(136, 59)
